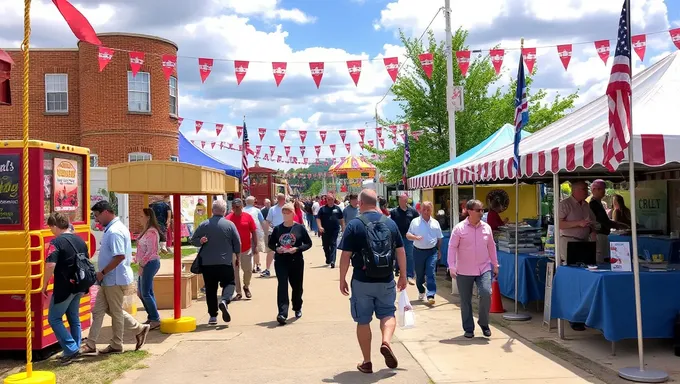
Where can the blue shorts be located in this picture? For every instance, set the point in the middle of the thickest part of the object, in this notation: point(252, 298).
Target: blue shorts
point(369, 298)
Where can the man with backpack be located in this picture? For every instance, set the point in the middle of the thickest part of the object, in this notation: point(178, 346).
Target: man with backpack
point(372, 244)
point(68, 261)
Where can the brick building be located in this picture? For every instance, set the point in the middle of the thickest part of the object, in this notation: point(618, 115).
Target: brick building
point(119, 117)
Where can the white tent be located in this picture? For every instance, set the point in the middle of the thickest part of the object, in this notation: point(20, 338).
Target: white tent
point(577, 140)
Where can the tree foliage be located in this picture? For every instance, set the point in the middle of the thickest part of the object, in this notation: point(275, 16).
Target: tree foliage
point(487, 106)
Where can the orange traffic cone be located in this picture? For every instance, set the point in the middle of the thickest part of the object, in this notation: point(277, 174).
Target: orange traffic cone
point(496, 301)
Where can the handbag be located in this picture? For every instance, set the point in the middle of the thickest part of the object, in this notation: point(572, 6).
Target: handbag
point(197, 264)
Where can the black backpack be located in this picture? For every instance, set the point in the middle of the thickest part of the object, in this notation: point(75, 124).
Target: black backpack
point(84, 276)
point(378, 253)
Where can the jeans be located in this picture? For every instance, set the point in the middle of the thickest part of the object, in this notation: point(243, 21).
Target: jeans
point(68, 340)
point(465, 285)
point(329, 240)
point(212, 276)
point(145, 289)
point(311, 221)
point(425, 261)
point(289, 270)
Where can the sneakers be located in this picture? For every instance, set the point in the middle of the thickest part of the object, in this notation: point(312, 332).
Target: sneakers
point(212, 321)
point(421, 296)
point(281, 319)
point(298, 314)
point(469, 335)
point(257, 269)
point(486, 331)
point(265, 273)
point(66, 360)
point(226, 317)
point(430, 300)
point(332, 265)
point(154, 325)
point(141, 337)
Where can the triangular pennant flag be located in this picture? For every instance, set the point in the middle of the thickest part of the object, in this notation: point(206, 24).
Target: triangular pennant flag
point(392, 66)
point(378, 131)
point(179, 121)
point(343, 134)
point(262, 132)
point(370, 143)
point(204, 68)
point(105, 56)
point(427, 63)
point(332, 146)
point(639, 45)
point(198, 125)
point(497, 59)
point(348, 147)
point(362, 133)
point(306, 160)
point(416, 134)
point(258, 148)
point(240, 70)
point(202, 144)
point(463, 58)
point(239, 131)
point(303, 135)
point(282, 134)
point(286, 148)
point(675, 36)
point(218, 128)
point(354, 69)
point(302, 150)
point(602, 47)
point(136, 62)
point(272, 149)
point(564, 52)
point(221, 144)
point(278, 158)
point(212, 145)
point(382, 142)
point(230, 145)
point(322, 134)
point(279, 71)
point(529, 56)
point(317, 149)
point(317, 72)
point(169, 65)
point(393, 129)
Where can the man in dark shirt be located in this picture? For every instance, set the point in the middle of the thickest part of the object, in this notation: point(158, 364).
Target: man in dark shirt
point(604, 226)
point(60, 263)
point(330, 220)
point(371, 295)
point(163, 212)
point(403, 215)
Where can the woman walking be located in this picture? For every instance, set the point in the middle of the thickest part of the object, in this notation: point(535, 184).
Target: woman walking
point(149, 263)
point(289, 240)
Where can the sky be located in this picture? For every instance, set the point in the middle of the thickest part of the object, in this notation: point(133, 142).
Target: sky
point(334, 31)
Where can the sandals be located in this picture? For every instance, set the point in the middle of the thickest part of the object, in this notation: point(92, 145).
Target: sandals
point(390, 359)
point(365, 367)
point(86, 349)
point(109, 350)
point(246, 290)
point(237, 297)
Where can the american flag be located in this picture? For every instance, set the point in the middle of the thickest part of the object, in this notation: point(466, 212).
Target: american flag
point(619, 94)
point(407, 160)
point(245, 178)
point(521, 110)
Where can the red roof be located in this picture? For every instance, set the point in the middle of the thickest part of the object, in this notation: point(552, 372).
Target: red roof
point(5, 57)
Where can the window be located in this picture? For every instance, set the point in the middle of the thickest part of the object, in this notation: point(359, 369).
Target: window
point(139, 92)
point(174, 158)
point(94, 160)
point(139, 156)
point(56, 93)
point(173, 96)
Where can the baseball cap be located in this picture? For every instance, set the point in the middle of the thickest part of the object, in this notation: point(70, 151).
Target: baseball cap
point(237, 201)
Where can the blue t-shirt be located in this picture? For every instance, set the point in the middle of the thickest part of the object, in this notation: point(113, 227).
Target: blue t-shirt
point(161, 209)
point(354, 240)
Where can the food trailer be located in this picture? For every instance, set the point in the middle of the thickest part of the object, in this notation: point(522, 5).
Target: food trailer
point(58, 181)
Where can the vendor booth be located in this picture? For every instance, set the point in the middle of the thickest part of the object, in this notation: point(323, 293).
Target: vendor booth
point(354, 170)
point(58, 182)
point(176, 179)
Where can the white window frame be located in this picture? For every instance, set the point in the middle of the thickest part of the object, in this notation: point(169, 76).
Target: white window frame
point(139, 156)
point(173, 95)
point(56, 76)
point(94, 160)
point(136, 79)
point(174, 158)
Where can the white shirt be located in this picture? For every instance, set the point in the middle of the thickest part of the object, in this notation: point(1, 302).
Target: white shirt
point(429, 230)
point(315, 208)
point(275, 216)
point(257, 217)
point(342, 205)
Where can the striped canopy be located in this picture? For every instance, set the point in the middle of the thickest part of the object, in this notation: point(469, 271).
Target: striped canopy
point(352, 164)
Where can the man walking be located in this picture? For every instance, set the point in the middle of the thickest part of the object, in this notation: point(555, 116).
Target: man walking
point(115, 278)
point(472, 259)
point(257, 216)
point(427, 237)
point(372, 294)
point(274, 218)
point(329, 221)
point(352, 209)
point(219, 241)
point(247, 232)
point(403, 215)
point(163, 212)
point(315, 211)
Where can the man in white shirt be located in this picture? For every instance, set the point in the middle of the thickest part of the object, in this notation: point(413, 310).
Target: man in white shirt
point(253, 211)
point(315, 211)
point(426, 235)
point(274, 218)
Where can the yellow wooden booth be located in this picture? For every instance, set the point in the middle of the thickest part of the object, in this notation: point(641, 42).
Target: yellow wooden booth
point(176, 179)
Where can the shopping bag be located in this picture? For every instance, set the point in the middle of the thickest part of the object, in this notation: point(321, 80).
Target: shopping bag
point(405, 314)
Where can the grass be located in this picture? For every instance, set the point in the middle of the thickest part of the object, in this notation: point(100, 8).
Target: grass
point(186, 251)
point(94, 369)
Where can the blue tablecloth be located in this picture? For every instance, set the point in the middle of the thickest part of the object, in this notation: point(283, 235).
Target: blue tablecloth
point(606, 301)
point(445, 248)
point(670, 248)
point(531, 282)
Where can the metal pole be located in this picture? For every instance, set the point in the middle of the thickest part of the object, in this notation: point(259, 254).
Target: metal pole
point(516, 316)
point(451, 112)
point(557, 194)
point(638, 374)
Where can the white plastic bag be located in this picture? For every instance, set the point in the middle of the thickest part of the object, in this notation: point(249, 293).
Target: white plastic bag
point(405, 314)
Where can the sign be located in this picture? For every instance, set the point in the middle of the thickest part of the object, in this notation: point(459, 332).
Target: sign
point(65, 185)
point(10, 213)
point(620, 256)
point(456, 100)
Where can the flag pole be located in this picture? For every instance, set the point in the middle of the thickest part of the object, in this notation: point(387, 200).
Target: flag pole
point(451, 111)
point(243, 148)
point(637, 374)
point(516, 316)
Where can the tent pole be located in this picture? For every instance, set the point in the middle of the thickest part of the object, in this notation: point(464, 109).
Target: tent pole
point(516, 316)
point(557, 194)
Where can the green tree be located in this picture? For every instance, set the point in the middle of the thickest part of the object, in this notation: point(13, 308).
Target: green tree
point(423, 103)
point(314, 189)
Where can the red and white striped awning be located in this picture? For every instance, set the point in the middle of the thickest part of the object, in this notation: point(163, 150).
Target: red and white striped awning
point(577, 140)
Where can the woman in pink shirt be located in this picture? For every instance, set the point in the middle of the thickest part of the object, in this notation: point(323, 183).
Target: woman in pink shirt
point(149, 263)
point(472, 259)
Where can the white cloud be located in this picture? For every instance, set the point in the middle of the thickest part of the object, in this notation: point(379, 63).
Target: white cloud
point(268, 9)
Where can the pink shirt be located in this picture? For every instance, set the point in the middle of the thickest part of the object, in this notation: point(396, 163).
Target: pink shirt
point(472, 249)
point(147, 247)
